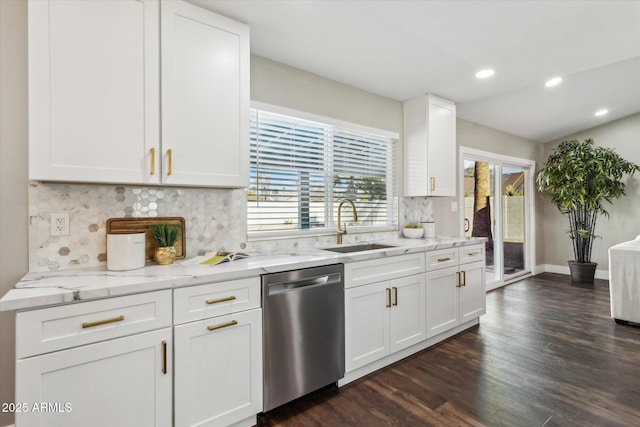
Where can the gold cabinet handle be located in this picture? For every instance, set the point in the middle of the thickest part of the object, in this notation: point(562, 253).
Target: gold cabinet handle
point(444, 259)
point(474, 253)
point(433, 183)
point(222, 325)
point(170, 161)
point(216, 301)
point(153, 161)
point(164, 357)
point(464, 278)
point(102, 322)
point(458, 279)
point(395, 294)
point(388, 297)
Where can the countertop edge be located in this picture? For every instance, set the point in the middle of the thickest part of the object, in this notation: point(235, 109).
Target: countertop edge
point(38, 289)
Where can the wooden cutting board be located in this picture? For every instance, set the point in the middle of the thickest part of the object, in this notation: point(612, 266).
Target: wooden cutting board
point(141, 225)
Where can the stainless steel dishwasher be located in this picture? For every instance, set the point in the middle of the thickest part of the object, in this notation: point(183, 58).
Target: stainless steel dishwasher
point(303, 321)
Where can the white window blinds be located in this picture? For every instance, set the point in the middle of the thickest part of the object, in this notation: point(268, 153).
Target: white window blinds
point(302, 169)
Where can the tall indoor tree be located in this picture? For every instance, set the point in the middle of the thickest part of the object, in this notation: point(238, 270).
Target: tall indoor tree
point(580, 177)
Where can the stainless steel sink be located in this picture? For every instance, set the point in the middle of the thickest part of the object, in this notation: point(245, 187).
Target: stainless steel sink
point(358, 248)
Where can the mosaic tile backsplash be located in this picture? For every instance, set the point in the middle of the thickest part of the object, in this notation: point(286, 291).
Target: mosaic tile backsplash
point(214, 219)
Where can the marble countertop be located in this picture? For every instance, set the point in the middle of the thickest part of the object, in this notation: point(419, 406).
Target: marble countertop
point(63, 286)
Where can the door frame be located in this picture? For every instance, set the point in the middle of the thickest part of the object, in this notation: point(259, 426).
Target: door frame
point(529, 211)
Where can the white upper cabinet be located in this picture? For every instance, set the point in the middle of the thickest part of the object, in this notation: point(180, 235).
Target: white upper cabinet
point(96, 86)
point(429, 147)
point(93, 90)
point(205, 97)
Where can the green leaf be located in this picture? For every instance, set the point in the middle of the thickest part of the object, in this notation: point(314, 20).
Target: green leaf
point(578, 177)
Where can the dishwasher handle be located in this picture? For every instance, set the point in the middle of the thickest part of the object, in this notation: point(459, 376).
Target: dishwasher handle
point(324, 280)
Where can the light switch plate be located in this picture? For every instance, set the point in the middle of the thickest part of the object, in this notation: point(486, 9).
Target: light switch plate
point(454, 206)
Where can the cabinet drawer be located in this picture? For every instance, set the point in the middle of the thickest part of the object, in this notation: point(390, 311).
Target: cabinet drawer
point(50, 329)
point(215, 299)
point(471, 253)
point(442, 258)
point(376, 270)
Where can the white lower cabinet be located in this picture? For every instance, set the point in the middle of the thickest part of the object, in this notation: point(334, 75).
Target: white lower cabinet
point(98, 363)
point(407, 312)
point(472, 294)
point(218, 370)
point(218, 358)
point(129, 361)
point(442, 300)
point(367, 324)
point(382, 318)
point(122, 382)
point(455, 295)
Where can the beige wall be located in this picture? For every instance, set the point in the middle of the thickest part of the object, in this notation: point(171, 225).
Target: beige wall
point(278, 84)
point(472, 135)
point(13, 177)
point(624, 136)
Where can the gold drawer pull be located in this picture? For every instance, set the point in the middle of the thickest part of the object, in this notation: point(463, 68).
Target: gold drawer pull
point(164, 357)
point(474, 254)
point(388, 297)
point(464, 278)
point(153, 161)
point(444, 259)
point(170, 161)
point(102, 322)
point(433, 183)
point(395, 293)
point(458, 275)
point(216, 301)
point(222, 325)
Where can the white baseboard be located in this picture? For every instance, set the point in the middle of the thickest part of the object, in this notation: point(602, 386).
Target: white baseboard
point(564, 269)
point(539, 269)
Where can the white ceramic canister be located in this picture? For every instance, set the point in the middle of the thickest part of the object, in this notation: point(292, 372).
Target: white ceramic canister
point(429, 228)
point(125, 251)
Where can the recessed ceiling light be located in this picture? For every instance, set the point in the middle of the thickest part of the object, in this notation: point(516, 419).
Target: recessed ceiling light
point(553, 82)
point(483, 74)
point(601, 112)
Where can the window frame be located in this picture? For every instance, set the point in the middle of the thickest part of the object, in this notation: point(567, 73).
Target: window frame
point(393, 201)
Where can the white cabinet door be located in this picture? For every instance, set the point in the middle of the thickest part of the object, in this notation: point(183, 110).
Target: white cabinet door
point(442, 300)
point(472, 293)
point(122, 382)
point(441, 158)
point(93, 90)
point(430, 146)
point(367, 324)
point(205, 97)
point(407, 312)
point(218, 370)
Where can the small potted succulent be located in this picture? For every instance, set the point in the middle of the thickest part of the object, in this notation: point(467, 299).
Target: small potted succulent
point(165, 235)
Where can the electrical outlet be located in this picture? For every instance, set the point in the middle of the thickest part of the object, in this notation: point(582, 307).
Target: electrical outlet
point(59, 224)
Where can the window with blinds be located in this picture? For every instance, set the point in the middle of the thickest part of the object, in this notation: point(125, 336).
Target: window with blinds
point(302, 169)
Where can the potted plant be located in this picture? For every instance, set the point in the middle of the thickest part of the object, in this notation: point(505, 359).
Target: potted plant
point(165, 235)
point(580, 177)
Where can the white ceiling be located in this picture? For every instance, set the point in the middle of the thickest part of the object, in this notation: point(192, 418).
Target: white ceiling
point(400, 49)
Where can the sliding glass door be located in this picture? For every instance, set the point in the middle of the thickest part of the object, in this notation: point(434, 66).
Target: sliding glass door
point(513, 221)
point(498, 207)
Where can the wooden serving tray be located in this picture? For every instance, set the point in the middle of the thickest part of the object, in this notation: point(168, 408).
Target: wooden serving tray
point(141, 225)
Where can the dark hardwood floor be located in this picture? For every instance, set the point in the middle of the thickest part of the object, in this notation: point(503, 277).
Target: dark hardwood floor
point(546, 353)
